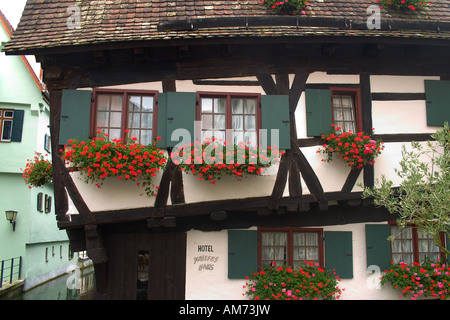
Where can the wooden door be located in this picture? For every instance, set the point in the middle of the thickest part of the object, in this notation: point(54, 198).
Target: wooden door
point(160, 256)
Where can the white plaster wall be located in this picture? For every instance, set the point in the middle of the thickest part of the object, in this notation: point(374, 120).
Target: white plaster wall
point(388, 117)
point(208, 280)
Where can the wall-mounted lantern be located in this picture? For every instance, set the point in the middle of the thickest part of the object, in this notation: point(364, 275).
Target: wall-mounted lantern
point(11, 216)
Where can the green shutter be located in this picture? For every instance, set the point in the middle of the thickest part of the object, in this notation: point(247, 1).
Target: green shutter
point(338, 253)
point(161, 127)
point(75, 115)
point(437, 94)
point(181, 114)
point(275, 116)
point(318, 112)
point(242, 253)
point(378, 246)
point(17, 127)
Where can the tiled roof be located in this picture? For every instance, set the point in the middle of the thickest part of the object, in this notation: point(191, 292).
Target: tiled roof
point(44, 24)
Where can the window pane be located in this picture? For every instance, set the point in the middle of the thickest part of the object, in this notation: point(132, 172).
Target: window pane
point(343, 111)
point(219, 105)
point(402, 245)
point(147, 121)
point(146, 137)
point(147, 104)
point(250, 106)
point(115, 133)
point(219, 122)
point(116, 103)
point(103, 102)
point(115, 119)
point(8, 114)
point(250, 123)
point(207, 104)
point(273, 248)
point(6, 131)
point(134, 104)
point(103, 119)
point(306, 247)
point(134, 120)
point(237, 123)
point(237, 106)
point(207, 121)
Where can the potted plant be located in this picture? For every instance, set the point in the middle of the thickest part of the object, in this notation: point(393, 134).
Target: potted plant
point(38, 171)
point(100, 158)
point(403, 4)
point(356, 149)
point(286, 6)
point(429, 279)
point(310, 282)
point(212, 160)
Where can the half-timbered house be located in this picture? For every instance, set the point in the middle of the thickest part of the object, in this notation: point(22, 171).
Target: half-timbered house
point(178, 63)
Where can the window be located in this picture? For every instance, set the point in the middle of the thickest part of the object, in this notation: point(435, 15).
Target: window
point(6, 123)
point(126, 114)
point(345, 106)
point(411, 245)
point(47, 143)
point(290, 246)
point(229, 118)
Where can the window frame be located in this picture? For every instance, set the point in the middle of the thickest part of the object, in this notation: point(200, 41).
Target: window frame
point(290, 253)
point(415, 242)
point(124, 122)
point(228, 113)
point(3, 118)
point(356, 95)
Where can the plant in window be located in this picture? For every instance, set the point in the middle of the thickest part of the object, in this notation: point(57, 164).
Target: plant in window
point(38, 171)
point(100, 158)
point(356, 149)
point(430, 279)
point(212, 160)
point(286, 6)
point(309, 282)
point(403, 4)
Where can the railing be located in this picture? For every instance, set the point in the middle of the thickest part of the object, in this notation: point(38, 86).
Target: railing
point(14, 266)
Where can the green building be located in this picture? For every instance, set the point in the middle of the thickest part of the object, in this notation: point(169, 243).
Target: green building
point(24, 117)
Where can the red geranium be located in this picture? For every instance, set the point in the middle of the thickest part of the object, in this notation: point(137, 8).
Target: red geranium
point(356, 149)
point(100, 158)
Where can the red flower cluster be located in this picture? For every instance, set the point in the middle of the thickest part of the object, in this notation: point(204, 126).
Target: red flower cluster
point(430, 279)
point(37, 171)
point(403, 4)
point(286, 6)
point(286, 283)
point(356, 150)
point(100, 158)
point(211, 160)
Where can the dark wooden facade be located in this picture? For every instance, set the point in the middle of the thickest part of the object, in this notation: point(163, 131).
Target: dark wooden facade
point(113, 238)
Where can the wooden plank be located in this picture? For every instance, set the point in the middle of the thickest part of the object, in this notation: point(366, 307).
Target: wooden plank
point(61, 200)
point(267, 83)
point(351, 180)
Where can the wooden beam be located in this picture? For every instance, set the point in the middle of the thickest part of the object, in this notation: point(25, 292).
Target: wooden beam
point(61, 200)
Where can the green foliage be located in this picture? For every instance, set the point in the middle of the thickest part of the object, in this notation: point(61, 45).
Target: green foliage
point(356, 149)
point(430, 279)
point(212, 160)
point(38, 171)
point(285, 283)
point(423, 195)
point(99, 158)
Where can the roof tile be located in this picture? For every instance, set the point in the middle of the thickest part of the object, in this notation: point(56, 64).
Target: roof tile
point(44, 22)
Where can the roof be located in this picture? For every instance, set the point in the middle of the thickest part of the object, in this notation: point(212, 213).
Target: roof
point(48, 25)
